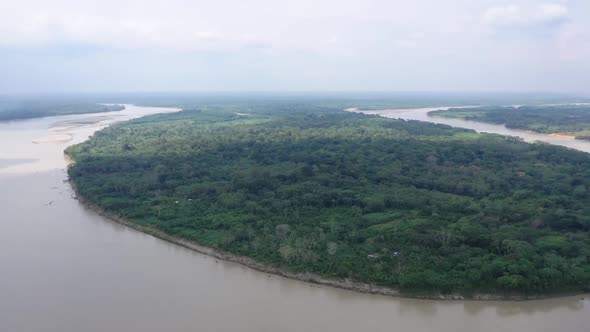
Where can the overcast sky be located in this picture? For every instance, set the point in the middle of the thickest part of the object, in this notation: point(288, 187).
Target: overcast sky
point(276, 45)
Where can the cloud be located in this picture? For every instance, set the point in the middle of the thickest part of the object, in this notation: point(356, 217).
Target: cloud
point(505, 15)
point(175, 25)
point(117, 32)
point(551, 13)
point(271, 44)
point(573, 43)
point(514, 15)
point(412, 41)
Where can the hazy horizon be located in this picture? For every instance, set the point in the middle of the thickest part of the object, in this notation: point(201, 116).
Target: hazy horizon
point(262, 46)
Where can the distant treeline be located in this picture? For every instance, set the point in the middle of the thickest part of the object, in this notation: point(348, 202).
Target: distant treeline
point(405, 204)
point(566, 119)
point(14, 110)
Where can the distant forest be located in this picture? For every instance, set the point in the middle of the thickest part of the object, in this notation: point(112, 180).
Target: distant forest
point(571, 120)
point(420, 207)
point(26, 109)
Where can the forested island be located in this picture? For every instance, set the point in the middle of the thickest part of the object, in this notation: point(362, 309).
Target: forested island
point(26, 109)
point(419, 207)
point(568, 120)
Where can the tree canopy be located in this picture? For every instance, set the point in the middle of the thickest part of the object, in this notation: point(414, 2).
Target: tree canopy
point(403, 204)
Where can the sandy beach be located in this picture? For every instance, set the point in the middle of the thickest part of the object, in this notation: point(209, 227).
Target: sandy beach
point(59, 138)
point(564, 136)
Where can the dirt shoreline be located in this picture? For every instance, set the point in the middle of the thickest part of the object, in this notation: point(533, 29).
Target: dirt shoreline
point(346, 284)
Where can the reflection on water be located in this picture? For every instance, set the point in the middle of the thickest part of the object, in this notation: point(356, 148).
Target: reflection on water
point(65, 268)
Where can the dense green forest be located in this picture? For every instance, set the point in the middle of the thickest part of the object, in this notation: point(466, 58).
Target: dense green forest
point(13, 107)
point(566, 119)
point(16, 109)
point(416, 206)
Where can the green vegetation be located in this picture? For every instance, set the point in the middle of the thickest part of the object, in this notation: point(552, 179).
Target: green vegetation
point(26, 109)
point(566, 119)
point(421, 207)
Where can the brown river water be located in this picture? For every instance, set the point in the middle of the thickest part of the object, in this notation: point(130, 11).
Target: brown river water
point(65, 268)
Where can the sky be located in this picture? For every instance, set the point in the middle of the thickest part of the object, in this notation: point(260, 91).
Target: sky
point(299, 45)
